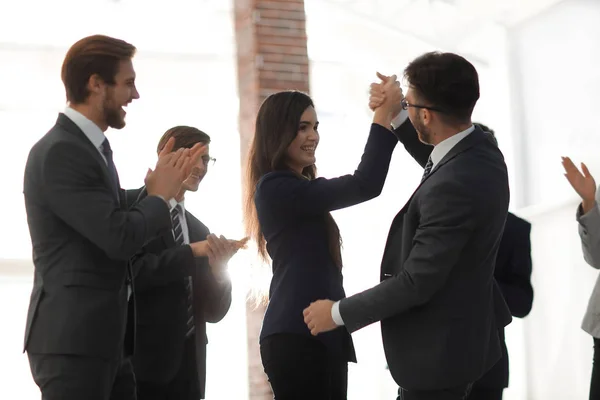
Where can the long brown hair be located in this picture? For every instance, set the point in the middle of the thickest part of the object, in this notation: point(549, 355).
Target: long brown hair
point(277, 125)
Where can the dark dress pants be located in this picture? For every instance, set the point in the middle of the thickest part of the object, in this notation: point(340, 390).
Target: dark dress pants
point(299, 367)
point(71, 377)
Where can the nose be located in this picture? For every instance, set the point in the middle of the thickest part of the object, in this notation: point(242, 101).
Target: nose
point(136, 94)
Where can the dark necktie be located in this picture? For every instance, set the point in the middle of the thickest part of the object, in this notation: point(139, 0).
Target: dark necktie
point(112, 170)
point(178, 235)
point(427, 170)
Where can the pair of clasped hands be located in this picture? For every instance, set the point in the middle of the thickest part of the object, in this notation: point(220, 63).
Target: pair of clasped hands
point(165, 181)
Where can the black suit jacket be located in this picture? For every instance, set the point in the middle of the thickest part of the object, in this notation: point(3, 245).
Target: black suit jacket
point(439, 306)
point(161, 295)
point(83, 238)
point(513, 274)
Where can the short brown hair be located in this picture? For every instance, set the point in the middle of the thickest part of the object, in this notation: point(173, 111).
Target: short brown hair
point(97, 54)
point(446, 81)
point(185, 137)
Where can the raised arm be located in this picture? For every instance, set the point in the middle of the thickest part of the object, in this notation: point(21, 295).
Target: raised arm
point(589, 232)
point(407, 135)
point(285, 190)
point(588, 214)
point(76, 192)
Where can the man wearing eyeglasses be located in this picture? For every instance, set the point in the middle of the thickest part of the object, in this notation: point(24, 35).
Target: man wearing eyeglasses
point(178, 290)
point(439, 306)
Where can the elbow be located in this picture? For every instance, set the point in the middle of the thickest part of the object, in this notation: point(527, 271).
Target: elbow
point(373, 191)
point(216, 315)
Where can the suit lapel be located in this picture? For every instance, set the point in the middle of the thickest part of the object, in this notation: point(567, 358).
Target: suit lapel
point(70, 126)
point(471, 140)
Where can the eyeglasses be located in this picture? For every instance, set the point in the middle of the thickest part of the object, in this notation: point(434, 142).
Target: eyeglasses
point(208, 161)
point(405, 104)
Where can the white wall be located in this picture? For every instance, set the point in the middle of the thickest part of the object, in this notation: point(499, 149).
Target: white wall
point(183, 78)
point(555, 82)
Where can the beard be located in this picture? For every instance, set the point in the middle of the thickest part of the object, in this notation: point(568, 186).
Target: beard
point(423, 132)
point(112, 112)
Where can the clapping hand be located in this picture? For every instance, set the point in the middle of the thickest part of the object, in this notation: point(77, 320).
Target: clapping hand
point(219, 251)
point(172, 168)
point(584, 184)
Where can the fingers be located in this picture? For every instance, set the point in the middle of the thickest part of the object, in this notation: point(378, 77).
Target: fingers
point(586, 171)
point(384, 78)
point(197, 152)
point(391, 82)
point(168, 148)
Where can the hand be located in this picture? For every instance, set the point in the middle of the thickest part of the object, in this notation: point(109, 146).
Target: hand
point(200, 249)
point(390, 95)
point(220, 250)
point(376, 94)
point(584, 184)
point(318, 317)
point(172, 168)
point(240, 244)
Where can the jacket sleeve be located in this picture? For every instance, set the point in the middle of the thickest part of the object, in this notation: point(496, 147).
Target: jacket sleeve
point(77, 194)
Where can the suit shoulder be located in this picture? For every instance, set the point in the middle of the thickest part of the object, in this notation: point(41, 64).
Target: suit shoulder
point(518, 222)
point(271, 182)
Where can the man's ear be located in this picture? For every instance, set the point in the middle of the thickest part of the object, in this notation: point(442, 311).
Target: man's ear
point(95, 84)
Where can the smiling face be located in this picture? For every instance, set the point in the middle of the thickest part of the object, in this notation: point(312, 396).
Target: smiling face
point(118, 95)
point(301, 152)
point(197, 172)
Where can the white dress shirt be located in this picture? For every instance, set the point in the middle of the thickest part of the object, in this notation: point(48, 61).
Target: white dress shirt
point(89, 129)
point(437, 154)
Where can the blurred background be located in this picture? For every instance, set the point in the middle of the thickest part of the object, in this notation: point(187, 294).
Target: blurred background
point(210, 63)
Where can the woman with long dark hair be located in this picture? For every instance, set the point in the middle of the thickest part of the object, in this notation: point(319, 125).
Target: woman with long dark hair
point(288, 215)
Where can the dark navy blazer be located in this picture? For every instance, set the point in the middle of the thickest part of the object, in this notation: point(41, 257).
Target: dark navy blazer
point(292, 214)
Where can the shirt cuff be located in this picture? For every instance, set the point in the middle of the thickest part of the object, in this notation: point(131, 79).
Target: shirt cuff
point(335, 314)
point(400, 119)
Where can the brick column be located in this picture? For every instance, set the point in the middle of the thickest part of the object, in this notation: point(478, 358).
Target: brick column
point(271, 56)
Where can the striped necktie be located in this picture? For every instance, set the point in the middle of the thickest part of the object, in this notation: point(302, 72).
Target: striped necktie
point(428, 168)
point(178, 235)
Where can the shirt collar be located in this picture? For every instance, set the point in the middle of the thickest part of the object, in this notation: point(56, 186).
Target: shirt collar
point(442, 148)
point(89, 129)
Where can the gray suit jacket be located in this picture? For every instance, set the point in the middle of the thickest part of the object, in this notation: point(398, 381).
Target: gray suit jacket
point(589, 232)
point(439, 305)
point(82, 238)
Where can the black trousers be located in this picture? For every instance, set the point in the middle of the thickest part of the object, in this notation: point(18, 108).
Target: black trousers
point(185, 384)
point(299, 367)
point(483, 393)
point(595, 384)
point(70, 377)
point(456, 393)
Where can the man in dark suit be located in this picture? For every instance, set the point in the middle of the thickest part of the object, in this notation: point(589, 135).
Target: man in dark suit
point(513, 274)
point(178, 291)
point(82, 233)
point(439, 306)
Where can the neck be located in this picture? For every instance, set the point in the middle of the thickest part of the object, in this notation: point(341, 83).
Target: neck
point(449, 131)
point(180, 196)
point(90, 113)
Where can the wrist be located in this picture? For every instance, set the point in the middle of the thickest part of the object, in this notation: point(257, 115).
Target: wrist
point(587, 205)
point(383, 118)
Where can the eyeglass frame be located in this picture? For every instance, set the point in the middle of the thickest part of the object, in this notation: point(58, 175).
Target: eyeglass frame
point(405, 104)
point(209, 161)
